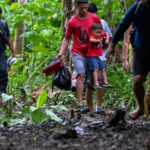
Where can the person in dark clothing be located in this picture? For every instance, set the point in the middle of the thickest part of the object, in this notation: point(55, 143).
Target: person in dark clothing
point(5, 39)
point(141, 46)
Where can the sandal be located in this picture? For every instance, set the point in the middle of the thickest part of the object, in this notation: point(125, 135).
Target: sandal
point(98, 87)
point(134, 115)
point(107, 86)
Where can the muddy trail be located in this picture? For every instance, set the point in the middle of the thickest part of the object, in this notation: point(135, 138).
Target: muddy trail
point(82, 132)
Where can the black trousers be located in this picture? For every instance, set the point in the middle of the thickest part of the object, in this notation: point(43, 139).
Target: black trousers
point(3, 73)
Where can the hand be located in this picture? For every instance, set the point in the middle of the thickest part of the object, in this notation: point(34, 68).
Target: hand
point(14, 55)
point(125, 65)
point(107, 42)
point(100, 42)
point(59, 56)
point(117, 58)
point(110, 50)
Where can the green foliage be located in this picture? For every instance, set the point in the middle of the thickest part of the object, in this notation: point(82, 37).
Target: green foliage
point(122, 83)
point(36, 115)
point(41, 99)
point(6, 97)
point(43, 33)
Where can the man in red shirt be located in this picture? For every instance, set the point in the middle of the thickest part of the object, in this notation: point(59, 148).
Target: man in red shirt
point(80, 27)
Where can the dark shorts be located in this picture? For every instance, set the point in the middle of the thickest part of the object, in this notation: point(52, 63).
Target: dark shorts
point(95, 63)
point(141, 64)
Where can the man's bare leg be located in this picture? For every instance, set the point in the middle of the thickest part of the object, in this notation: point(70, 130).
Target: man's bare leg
point(145, 102)
point(89, 97)
point(139, 92)
point(99, 97)
point(79, 88)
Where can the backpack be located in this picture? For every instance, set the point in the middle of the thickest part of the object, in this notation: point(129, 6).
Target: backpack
point(132, 32)
point(62, 79)
point(104, 46)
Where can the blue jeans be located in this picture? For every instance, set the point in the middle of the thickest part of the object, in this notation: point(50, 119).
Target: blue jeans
point(3, 73)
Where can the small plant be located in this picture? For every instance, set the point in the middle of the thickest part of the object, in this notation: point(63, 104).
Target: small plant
point(41, 112)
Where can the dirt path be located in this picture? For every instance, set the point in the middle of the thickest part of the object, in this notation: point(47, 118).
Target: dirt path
point(79, 133)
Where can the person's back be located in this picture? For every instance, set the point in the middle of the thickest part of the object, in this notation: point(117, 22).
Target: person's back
point(4, 31)
point(105, 29)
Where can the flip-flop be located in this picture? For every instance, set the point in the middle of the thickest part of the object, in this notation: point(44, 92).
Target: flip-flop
point(133, 115)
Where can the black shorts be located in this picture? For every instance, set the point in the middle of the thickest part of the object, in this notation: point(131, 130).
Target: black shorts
point(141, 63)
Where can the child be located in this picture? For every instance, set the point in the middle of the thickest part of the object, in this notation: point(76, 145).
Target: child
point(94, 51)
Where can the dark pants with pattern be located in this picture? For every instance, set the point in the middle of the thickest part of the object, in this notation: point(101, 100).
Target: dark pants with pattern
point(3, 73)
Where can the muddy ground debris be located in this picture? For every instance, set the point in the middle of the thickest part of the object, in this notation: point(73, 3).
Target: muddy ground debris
point(78, 134)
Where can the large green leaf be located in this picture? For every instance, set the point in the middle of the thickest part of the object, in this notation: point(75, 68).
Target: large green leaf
point(53, 116)
point(41, 99)
point(27, 112)
point(38, 116)
point(6, 97)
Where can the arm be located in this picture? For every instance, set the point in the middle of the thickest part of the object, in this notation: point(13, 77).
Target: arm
point(124, 25)
point(117, 55)
point(125, 48)
point(10, 44)
point(64, 45)
point(66, 40)
point(107, 38)
point(92, 40)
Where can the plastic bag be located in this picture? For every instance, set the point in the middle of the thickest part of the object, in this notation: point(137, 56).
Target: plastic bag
point(62, 79)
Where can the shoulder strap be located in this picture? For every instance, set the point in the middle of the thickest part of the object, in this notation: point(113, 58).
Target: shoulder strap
point(137, 7)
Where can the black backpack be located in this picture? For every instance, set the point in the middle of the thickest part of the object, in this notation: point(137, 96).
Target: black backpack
point(62, 79)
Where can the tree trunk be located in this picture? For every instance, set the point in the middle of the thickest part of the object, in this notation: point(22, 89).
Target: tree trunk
point(19, 40)
point(68, 11)
point(11, 1)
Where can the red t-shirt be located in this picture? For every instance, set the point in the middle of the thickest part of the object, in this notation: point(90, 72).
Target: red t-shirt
point(95, 49)
point(81, 30)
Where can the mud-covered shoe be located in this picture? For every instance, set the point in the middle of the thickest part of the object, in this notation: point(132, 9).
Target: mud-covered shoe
point(97, 110)
point(98, 87)
point(82, 109)
point(107, 86)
